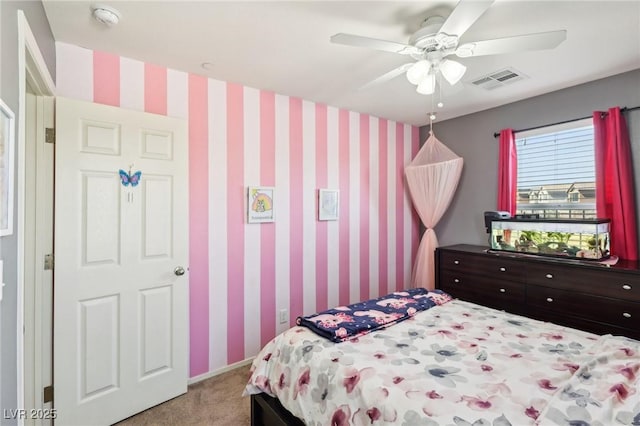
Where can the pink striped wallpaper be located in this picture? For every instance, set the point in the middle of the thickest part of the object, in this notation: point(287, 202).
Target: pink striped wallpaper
point(242, 275)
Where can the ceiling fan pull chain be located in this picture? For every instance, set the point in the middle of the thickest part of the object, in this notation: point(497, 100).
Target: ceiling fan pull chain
point(440, 104)
point(432, 117)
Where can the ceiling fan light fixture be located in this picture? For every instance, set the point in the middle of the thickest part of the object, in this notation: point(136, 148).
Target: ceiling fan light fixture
point(418, 71)
point(427, 86)
point(452, 71)
point(437, 38)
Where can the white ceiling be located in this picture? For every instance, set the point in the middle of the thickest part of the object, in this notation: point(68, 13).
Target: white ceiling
point(284, 46)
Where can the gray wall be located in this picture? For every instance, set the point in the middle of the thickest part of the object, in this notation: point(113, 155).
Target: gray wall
point(471, 137)
point(37, 19)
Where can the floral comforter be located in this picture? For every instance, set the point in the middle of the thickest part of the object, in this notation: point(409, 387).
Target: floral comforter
point(455, 364)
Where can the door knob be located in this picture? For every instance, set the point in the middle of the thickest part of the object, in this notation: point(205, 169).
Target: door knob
point(179, 271)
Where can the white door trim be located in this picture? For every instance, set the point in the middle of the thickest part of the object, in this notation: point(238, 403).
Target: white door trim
point(31, 68)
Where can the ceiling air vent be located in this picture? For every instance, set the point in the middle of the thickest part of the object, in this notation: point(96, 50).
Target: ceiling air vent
point(499, 78)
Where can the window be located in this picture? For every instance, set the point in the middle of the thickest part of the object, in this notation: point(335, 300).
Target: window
point(556, 171)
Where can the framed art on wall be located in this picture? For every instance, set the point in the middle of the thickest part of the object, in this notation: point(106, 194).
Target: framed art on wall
point(7, 146)
point(260, 206)
point(328, 200)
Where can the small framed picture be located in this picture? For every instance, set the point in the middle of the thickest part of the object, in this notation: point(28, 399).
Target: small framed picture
point(260, 207)
point(328, 200)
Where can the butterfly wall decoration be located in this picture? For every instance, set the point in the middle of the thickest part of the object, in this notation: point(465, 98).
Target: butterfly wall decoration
point(130, 179)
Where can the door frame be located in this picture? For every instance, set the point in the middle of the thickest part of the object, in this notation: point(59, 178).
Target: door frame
point(32, 70)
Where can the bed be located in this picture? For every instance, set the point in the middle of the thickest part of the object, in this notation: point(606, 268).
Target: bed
point(453, 364)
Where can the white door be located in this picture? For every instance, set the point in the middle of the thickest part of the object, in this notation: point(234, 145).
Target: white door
point(120, 296)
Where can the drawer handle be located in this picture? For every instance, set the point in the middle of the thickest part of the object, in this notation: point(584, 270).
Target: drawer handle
point(502, 290)
point(626, 314)
point(626, 286)
point(455, 280)
point(549, 276)
point(456, 262)
point(503, 269)
point(549, 299)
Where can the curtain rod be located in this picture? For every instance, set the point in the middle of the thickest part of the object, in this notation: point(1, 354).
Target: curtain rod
point(624, 109)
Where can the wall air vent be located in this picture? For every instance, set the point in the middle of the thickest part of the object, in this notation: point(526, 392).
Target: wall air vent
point(499, 78)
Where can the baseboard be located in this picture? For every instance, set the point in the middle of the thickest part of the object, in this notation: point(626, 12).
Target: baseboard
point(219, 371)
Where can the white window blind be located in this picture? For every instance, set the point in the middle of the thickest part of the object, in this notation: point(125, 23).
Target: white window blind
point(556, 158)
point(556, 170)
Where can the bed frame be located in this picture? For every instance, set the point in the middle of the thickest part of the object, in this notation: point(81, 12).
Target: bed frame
point(267, 411)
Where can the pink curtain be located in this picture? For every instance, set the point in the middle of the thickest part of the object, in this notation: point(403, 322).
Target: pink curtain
point(432, 177)
point(507, 172)
point(615, 195)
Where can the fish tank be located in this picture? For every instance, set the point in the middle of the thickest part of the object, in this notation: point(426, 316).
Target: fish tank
point(574, 239)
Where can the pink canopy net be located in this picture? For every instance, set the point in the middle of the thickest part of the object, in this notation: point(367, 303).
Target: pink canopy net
point(432, 177)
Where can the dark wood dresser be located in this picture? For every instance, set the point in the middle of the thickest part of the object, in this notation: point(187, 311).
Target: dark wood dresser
point(580, 294)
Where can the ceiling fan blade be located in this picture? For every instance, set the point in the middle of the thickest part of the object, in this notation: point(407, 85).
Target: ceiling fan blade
point(538, 41)
point(464, 15)
point(373, 43)
point(387, 76)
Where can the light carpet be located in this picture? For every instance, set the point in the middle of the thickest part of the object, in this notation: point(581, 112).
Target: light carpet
point(216, 401)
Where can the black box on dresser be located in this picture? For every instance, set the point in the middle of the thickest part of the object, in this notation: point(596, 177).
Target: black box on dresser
point(582, 294)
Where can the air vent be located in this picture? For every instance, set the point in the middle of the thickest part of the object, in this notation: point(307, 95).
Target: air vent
point(499, 78)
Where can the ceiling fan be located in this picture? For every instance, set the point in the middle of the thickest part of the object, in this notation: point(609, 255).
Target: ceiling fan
point(438, 39)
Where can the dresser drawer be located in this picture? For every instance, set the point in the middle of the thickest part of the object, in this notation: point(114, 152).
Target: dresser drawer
point(459, 261)
point(601, 282)
point(586, 324)
point(487, 291)
point(621, 313)
point(489, 265)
